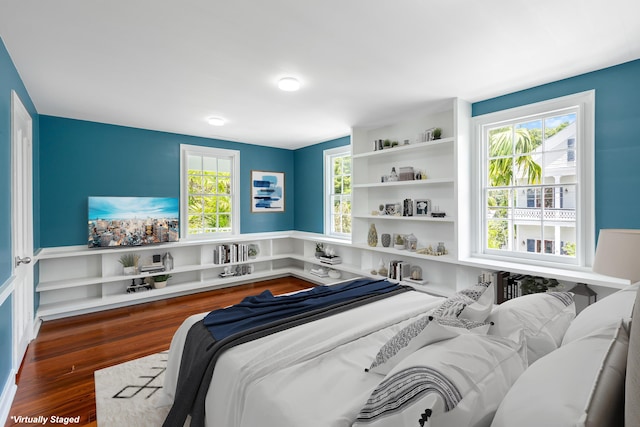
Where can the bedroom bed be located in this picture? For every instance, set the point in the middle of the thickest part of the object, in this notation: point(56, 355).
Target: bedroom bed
point(418, 360)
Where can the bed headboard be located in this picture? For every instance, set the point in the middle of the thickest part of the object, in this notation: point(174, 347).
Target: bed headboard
point(632, 381)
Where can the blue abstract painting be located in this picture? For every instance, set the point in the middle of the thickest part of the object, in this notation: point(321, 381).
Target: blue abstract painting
point(267, 191)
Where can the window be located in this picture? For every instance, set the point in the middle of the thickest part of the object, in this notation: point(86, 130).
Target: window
point(337, 172)
point(535, 193)
point(209, 192)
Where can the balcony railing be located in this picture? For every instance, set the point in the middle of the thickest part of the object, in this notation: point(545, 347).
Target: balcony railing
point(535, 214)
point(549, 214)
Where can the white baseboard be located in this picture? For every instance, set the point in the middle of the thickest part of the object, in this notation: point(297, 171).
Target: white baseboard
point(6, 399)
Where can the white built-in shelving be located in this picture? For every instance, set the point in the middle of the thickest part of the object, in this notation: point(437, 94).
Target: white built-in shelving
point(74, 280)
point(438, 164)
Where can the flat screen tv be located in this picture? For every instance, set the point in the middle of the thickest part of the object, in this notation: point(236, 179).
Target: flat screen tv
point(132, 221)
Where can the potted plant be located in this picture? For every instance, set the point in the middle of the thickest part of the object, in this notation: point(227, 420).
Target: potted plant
point(129, 263)
point(319, 249)
point(399, 242)
point(386, 143)
point(160, 281)
point(253, 251)
point(437, 133)
point(536, 284)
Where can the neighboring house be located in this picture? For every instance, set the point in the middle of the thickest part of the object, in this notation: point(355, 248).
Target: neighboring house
point(555, 201)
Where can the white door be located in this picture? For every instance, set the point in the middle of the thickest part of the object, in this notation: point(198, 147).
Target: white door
point(21, 228)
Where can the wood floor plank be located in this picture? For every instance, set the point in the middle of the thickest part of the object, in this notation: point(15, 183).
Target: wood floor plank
point(56, 377)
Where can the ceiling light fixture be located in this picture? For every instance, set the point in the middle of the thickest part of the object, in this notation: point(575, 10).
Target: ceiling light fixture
point(216, 121)
point(289, 84)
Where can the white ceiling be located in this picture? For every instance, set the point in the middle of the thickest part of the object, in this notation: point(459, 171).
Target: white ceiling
point(168, 65)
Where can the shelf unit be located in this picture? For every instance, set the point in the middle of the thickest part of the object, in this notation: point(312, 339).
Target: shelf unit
point(77, 280)
point(439, 161)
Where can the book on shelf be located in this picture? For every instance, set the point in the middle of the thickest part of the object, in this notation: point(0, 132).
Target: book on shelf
point(152, 268)
point(320, 272)
point(507, 286)
point(231, 252)
point(330, 259)
point(399, 270)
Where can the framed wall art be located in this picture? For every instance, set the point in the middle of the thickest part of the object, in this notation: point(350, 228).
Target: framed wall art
point(267, 191)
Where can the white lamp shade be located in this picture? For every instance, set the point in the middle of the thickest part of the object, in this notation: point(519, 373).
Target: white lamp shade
point(618, 254)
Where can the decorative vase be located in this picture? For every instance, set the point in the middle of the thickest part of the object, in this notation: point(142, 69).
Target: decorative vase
point(253, 251)
point(129, 271)
point(372, 238)
point(334, 274)
point(386, 240)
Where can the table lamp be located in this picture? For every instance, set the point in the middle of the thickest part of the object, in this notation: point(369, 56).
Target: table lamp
point(618, 254)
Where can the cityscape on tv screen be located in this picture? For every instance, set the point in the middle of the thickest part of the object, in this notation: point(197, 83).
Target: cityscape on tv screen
point(132, 221)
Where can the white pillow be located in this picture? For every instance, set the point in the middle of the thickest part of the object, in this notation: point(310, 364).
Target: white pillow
point(580, 384)
point(418, 334)
point(604, 313)
point(544, 318)
point(457, 382)
point(474, 303)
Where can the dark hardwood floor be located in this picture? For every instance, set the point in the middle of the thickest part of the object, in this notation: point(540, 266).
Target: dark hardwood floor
point(56, 377)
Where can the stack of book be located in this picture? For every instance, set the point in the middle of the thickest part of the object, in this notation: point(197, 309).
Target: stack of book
point(319, 271)
point(231, 252)
point(152, 268)
point(330, 259)
point(407, 174)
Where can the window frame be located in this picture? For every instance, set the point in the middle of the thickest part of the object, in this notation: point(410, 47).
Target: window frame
point(185, 150)
point(584, 102)
point(329, 155)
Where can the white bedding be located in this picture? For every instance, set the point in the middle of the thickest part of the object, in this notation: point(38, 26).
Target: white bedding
point(311, 375)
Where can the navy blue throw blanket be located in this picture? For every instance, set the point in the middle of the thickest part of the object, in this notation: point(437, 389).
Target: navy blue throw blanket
point(259, 310)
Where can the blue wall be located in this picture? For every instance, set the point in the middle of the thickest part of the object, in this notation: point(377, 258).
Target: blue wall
point(10, 80)
point(6, 341)
point(617, 139)
point(82, 159)
point(309, 161)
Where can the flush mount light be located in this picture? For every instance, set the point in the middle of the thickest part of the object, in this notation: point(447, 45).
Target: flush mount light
point(215, 121)
point(289, 84)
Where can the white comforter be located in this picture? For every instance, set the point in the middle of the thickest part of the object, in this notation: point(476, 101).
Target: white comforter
point(310, 375)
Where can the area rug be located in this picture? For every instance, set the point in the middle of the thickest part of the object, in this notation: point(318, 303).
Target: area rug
point(127, 394)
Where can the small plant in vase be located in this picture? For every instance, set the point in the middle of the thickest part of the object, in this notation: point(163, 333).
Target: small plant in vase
point(398, 242)
point(160, 281)
point(536, 284)
point(129, 263)
point(252, 251)
point(437, 133)
point(319, 250)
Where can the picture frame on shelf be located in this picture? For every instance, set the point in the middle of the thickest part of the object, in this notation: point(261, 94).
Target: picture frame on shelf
point(267, 191)
point(429, 134)
point(422, 206)
point(390, 208)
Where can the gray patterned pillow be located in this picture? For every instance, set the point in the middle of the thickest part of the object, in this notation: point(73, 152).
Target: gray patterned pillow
point(422, 332)
point(474, 303)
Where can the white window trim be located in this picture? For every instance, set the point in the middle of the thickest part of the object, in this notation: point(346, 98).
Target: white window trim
point(585, 203)
point(235, 188)
point(344, 150)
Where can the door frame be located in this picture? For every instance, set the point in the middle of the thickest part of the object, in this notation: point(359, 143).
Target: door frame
point(23, 318)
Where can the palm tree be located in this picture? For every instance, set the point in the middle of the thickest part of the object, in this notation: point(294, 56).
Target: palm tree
point(505, 155)
point(502, 150)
